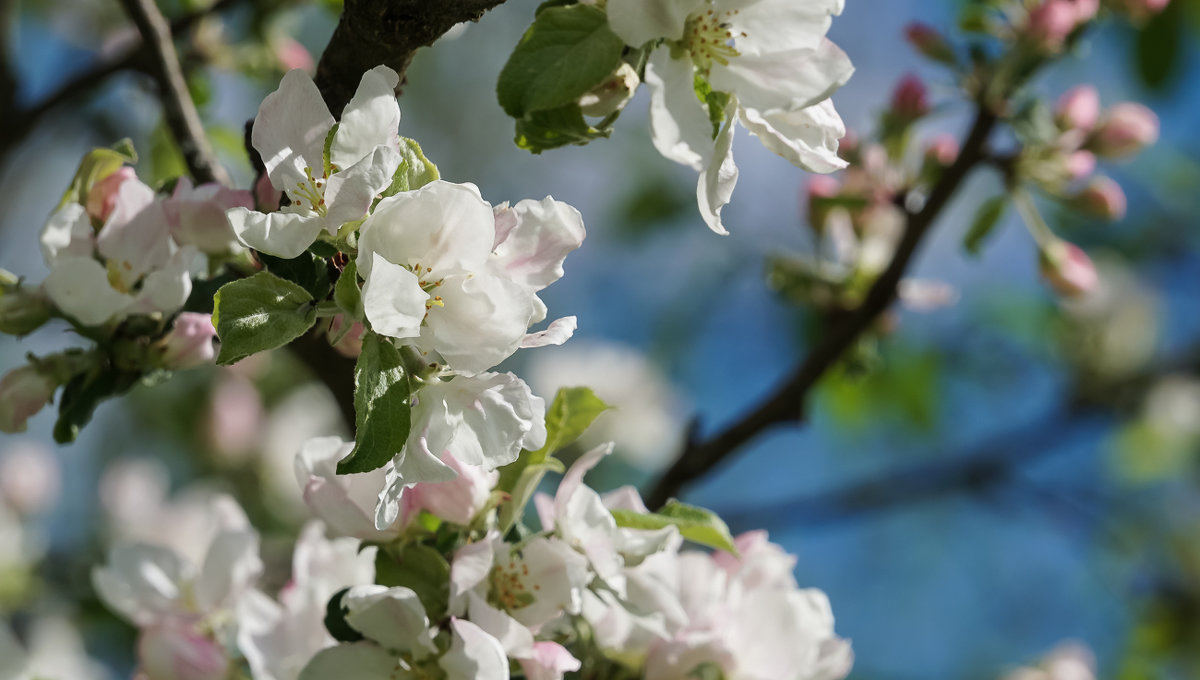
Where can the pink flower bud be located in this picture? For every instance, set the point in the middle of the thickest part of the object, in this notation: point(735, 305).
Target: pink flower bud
point(1102, 198)
point(190, 342)
point(1052, 22)
point(235, 416)
point(929, 42)
point(1080, 164)
point(350, 344)
point(102, 197)
point(1078, 108)
point(23, 392)
point(942, 150)
point(1127, 129)
point(1085, 10)
point(29, 478)
point(292, 55)
point(910, 100)
point(196, 216)
point(1068, 269)
point(174, 651)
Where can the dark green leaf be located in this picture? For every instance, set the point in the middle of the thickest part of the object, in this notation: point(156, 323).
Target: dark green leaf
point(335, 620)
point(347, 294)
point(542, 130)
point(83, 394)
point(260, 313)
point(1159, 43)
point(986, 218)
point(307, 271)
point(421, 568)
point(564, 54)
point(381, 406)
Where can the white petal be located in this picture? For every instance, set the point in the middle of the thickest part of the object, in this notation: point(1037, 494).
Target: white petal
point(716, 183)
point(417, 464)
point(470, 567)
point(392, 299)
point(345, 502)
point(282, 234)
point(640, 21)
point(290, 129)
point(349, 193)
point(560, 331)
point(679, 125)
point(441, 226)
point(549, 661)
point(141, 581)
point(807, 138)
point(484, 420)
point(166, 290)
point(779, 25)
point(393, 617)
point(473, 655)
point(789, 80)
point(231, 566)
point(360, 660)
point(369, 120)
point(136, 238)
point(533, 251)
point(68, 233)
point(516, 639)
point(79, 287)
point(482, 322)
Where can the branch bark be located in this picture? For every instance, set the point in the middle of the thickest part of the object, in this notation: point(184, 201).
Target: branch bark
point(389, 32)
point(786, 404)
point(178, 108)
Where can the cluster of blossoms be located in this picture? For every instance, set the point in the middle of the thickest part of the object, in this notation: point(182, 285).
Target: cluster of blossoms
point(714, 64)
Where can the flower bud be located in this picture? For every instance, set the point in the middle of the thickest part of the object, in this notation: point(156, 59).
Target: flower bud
point(174, 651)
point(1068, 269)
point(29, 478)
point(929, 42)
point(102, 197)
point(1127, 129)
point(190, 342)
point(910, 100)
point(612, 94)
point(23, 311)
point(1102, 198)
point(1051, 23)
point(942, 150)
point(1078, 108)
point(1079, 164)
point(23, 392)
point(292, 55)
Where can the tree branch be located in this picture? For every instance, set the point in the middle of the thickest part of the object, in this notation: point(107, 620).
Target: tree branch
point(178, 108)
point(388, 32)
point(786, 404)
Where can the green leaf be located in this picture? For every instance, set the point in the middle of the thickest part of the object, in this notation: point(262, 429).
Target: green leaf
point(335, 620)
point(327, 150)
point(82, 394)
point(1159, 47)
point(695, 524)
point(260, 313)
point(550, 129)
point(420, 170)
point(986, 218)
point(421, 568)
point(381, 406)
point(572, 412)
point(714, 102)
point(564, 54)
point(307, 271)
point(346, 292)
point(95, 166)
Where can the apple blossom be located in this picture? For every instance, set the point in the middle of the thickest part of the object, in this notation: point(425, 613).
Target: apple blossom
point(290, 133)
point(190, 342)
point(196, 216)
point(765, 64)
point(1127, 128)
point(23, 392)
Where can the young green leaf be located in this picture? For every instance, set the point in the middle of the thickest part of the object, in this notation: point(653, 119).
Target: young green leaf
point(542, 130)
point(695, 524)
point(986, 218)
point(564, 54)
point(346, 292)
point(260, 313)
point(381, 406)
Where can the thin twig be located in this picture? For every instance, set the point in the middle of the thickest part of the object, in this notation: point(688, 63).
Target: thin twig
point(786, 404)
point(178, 108)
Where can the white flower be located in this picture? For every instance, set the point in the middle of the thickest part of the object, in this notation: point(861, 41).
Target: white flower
point(290, 131)
point(770, 60)
point(345, 502)
point(473, 654)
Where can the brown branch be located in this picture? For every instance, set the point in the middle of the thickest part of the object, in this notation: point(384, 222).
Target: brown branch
point(178, 108)
point(388, 32)
point(786, 404)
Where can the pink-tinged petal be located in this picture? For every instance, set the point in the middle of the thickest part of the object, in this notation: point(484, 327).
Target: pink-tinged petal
point(345, 502)
point(573, 479)
point(640, 21)
point(549, 661)
point(625, 498)
point(285, 234)
point(369, 120)
point(349, 193)
point(393, 617)
point(533, 251)
point(176, 651)
point(441, 226)
point(196, 216)
point(543, 503)
point(68, 233)
point(360, 660)
point(469, 568)
point(141, 582)
point(482, 321)
point(560, 331)
point(190, 342)
point(23, 392)
point(290, 129)
point(393, 300)
point(790, 80)
point(679, 125)
point(135, 239)
point(79, 287)
point(102, 196)
point(456, 500)
point(807, 138)
point(473, 655)
point(716, 183)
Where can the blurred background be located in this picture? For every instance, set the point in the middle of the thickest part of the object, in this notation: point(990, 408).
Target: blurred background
point(985, 481)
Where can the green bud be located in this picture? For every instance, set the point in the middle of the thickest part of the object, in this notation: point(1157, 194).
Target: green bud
point(23, 312)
